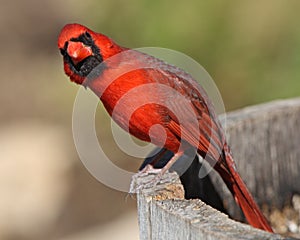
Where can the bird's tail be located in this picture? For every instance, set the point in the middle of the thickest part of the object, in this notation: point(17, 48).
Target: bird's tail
point(240, 192)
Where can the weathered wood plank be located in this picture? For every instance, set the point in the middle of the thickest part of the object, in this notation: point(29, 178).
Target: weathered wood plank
point(164, 214)
point(265, 141)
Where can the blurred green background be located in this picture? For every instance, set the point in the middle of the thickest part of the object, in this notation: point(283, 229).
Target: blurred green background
point(250, 48)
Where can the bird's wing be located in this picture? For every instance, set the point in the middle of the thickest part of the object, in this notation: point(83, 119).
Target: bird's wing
point(211, 143)
point(191, 116)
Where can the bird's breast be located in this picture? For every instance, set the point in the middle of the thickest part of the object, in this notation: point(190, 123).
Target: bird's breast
point(136, 104)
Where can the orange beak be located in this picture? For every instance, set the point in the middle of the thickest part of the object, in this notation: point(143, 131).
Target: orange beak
point(78, 51)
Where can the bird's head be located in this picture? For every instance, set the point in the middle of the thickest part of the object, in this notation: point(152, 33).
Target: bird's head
point(83, 50)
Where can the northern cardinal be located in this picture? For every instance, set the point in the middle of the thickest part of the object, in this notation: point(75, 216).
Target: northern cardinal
point(156, 102)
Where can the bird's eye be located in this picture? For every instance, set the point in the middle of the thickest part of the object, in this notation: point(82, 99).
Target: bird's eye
point(66, 45)
point(64, 50)
point(88, 35)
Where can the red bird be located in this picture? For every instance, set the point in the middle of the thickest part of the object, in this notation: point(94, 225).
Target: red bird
point(141, 92)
